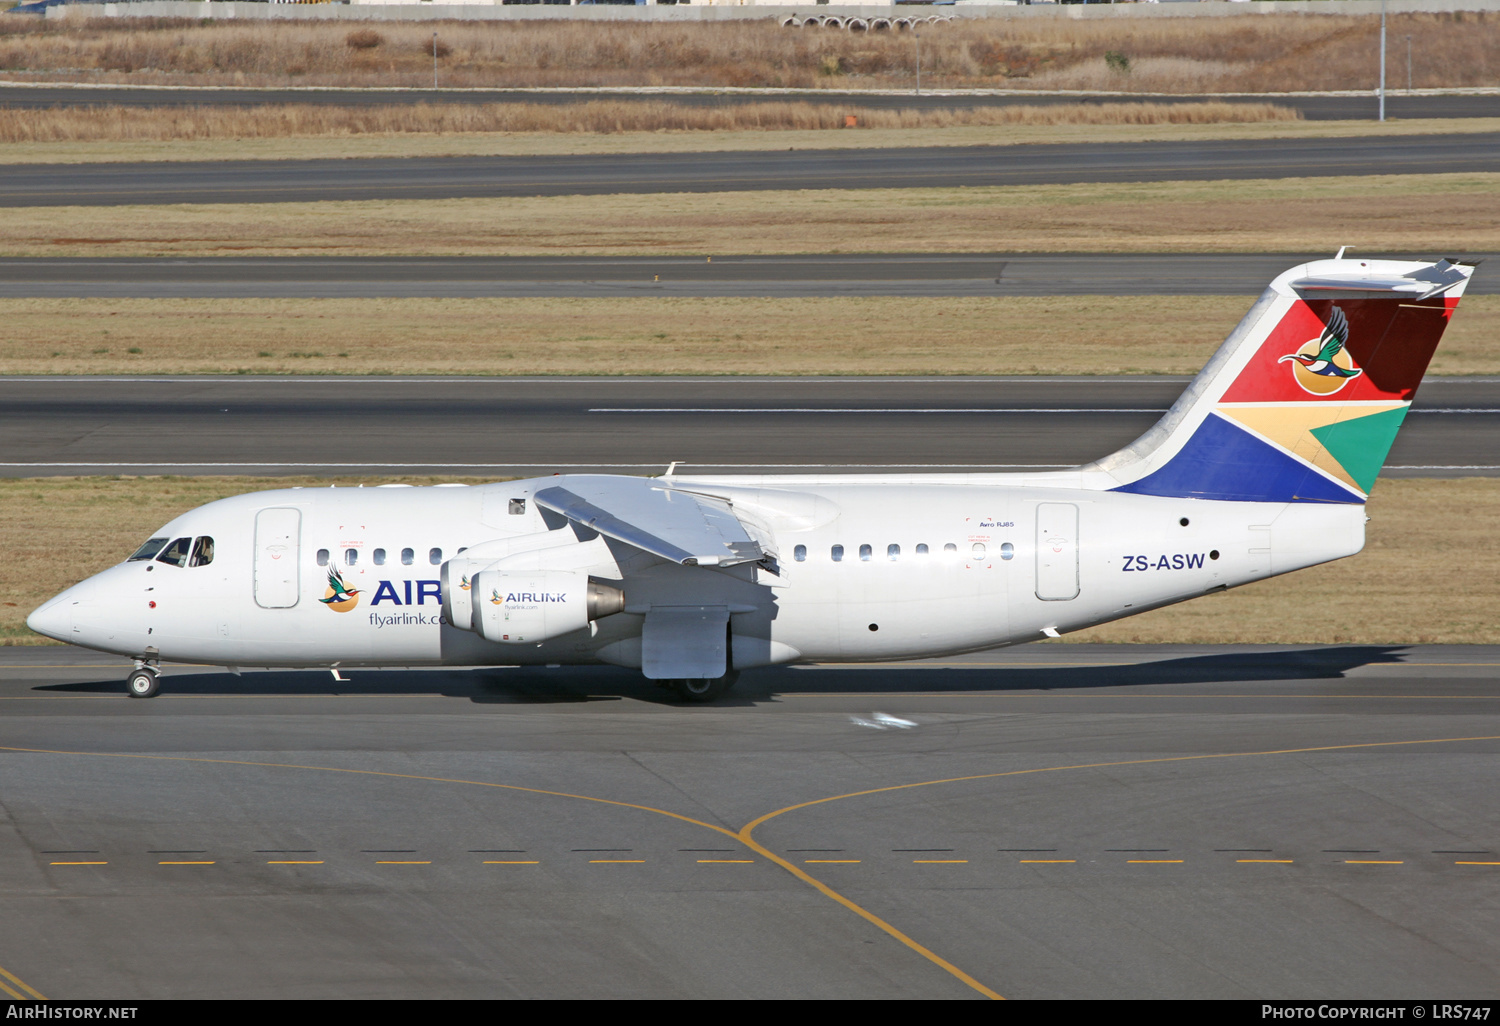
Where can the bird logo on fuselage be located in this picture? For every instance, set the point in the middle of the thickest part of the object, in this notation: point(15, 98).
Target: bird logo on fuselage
point(1323, 365)
point(339, 597)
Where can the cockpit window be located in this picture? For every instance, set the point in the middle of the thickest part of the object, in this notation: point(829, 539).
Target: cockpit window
point(149, 549)
point(203, 551)
point(176, 553)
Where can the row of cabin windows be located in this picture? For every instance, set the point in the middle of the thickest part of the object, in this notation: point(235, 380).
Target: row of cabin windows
point(893, 552)
point(378, 556)
point(180, 552)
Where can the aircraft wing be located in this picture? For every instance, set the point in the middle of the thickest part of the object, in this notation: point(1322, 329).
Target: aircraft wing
point(685, 527)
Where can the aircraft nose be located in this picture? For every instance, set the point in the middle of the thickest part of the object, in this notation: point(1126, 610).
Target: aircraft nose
point(53, 619)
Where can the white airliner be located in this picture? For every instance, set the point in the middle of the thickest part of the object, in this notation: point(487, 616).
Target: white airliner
point(1261, 467)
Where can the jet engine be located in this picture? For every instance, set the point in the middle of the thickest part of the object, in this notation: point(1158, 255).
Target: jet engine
point(531, 607)
point(527, 553)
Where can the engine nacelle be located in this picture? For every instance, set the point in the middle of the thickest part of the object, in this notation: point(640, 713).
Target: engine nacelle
point(528, 608)
point(458, 594)
point(527, 553)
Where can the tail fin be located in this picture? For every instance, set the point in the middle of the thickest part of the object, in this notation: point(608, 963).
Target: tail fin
point(1303, 400)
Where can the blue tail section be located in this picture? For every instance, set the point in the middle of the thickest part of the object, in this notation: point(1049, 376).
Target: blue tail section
point(1222, 461)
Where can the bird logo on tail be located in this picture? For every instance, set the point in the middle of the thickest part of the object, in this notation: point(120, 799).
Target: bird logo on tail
point(1323, 365)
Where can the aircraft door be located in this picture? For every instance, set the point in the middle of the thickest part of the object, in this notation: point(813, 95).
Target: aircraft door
point(1056, 551)
point(278, 535)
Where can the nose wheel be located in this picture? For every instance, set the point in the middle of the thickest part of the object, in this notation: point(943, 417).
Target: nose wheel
point(143, 683)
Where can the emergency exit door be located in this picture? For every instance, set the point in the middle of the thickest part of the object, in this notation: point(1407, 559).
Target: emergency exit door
point(278, 535)
point(1056, 551)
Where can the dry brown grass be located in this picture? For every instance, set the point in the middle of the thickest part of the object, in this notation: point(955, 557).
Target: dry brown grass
point(1185, 55)
point(1429, 573)
point(1389, 213)
point(882, 335)
point(486, 144)
point(115, 124)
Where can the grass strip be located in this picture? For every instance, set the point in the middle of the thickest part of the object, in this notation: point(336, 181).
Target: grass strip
point(1189, 56)
point(553, 143)
point(611, 115)
point(1429, 573)
point(879, 335)
point(1414, 214)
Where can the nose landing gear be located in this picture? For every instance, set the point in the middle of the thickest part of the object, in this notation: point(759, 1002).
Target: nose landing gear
point(144, 681)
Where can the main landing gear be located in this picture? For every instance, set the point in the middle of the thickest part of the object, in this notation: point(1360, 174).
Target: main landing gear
point(704, 689)
point(144, 681)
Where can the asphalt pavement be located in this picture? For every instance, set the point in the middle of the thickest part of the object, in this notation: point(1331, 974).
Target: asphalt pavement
point(1313, 822)
point(300, 181)
point(889, 274)
point(1350, 106)
point(497, 427)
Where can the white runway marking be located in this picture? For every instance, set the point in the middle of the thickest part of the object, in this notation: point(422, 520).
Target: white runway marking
point(830, 409)
point(567, 466)
point(935, 409)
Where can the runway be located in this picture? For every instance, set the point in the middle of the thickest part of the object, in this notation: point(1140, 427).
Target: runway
point(303, 181)
point(1362, 106)
point(1053, 821)
point(534, 426)
point(888, 274)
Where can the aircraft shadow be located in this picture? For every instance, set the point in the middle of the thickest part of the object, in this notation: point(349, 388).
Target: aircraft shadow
point(578, 684)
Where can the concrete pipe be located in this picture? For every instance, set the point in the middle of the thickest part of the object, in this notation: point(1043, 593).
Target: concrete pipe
point(880, 25)
point(791, 22)
point(857, 25)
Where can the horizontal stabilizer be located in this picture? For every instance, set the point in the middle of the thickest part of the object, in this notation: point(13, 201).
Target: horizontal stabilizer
point(677, 525)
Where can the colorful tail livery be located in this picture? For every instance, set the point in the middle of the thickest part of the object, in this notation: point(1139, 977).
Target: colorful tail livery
point(1303, 400)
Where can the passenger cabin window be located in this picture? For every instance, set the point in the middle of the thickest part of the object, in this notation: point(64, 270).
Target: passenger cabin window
point(176, 554)
point(922, 549)
point(517, 507)
point(1007, 550)
point(322, 557)
point(837, 552)
point(148, 550)
point(977, 549)
point(434, 556)
point(378, 556)
point(408, 557)
point(950, 547)
point(893, 552)
point(203, 551)
point(799, 553)
point(864, 553)
point(351, 557)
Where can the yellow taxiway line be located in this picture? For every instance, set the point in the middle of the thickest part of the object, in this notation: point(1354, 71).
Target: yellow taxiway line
point(745, 834)
point(13, 986)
